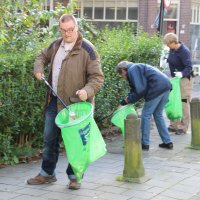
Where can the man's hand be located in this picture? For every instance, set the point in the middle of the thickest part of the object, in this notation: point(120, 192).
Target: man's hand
point(39, 76)
point(82, 94)
point(178, 74)
point(124, 101)
point(119, 106)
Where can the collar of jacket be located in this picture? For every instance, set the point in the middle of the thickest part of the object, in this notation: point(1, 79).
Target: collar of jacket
point(128, 66)
point(77, 45)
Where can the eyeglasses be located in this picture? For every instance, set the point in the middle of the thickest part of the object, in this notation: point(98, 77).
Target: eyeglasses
point(69, 30)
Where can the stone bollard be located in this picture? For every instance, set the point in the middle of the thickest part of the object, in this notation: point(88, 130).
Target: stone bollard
point(195, 122)
point(133, 161)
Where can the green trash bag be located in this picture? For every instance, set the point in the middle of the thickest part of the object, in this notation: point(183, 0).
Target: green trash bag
point(82, 139)
point(173, 107)
point(120, 115)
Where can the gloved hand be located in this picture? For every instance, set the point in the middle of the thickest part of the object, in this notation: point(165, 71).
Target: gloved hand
point(178, 74)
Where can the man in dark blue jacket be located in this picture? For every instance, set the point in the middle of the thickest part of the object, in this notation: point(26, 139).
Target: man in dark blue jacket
point(149, 83)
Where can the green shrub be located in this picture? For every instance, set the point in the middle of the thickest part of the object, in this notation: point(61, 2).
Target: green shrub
point(22, 98)
point(114, 46)
point(6, 150)
point(22, 36)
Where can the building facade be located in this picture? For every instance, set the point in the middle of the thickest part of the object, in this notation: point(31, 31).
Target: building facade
point(182, 17)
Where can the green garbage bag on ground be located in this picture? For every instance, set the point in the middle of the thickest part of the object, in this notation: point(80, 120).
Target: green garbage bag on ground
point(82, 139)
point(120, 115)
point(173, 107)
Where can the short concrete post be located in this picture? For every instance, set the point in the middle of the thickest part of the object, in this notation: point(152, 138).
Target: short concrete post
point(133, 161)
point(195, 122)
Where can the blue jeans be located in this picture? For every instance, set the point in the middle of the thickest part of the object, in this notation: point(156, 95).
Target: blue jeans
point(155, 107)
point(52, 139)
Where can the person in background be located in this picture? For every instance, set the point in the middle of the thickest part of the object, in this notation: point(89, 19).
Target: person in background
point(180, 64)
point(149, 83)
point(75, 75)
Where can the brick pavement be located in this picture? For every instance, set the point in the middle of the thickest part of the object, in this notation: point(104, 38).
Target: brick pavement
point(173, 174)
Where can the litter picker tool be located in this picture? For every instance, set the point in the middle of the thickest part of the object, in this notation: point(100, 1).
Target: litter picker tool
point(71, 114)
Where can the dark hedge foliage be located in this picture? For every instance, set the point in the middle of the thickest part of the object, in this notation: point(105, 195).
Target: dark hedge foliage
point(114, 46)
point(22, 97)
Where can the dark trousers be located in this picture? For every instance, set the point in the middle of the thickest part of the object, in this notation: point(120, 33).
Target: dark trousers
point(52, 139)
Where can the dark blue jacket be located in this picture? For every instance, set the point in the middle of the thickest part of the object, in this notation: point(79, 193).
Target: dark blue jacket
point(180, 60)
point(146, 81)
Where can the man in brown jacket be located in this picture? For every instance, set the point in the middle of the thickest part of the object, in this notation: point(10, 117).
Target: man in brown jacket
point(75, 75)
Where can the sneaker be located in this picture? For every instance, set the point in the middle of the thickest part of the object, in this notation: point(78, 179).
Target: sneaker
point(171, 129)
point(39, 180)
point(74, 185)
point(166, 146)
point(145, 147)
point(180, 132)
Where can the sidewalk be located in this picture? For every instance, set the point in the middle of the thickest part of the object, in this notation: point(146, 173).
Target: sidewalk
point(173, 174)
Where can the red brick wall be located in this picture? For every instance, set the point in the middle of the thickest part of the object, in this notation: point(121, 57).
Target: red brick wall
point(184, 21)
point(142, 19)
point(147, 14)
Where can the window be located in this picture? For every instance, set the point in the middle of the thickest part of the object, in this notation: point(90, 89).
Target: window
point(195, 33)
point(121, 13)
point(98, 13)
point(88, 9)
point(109, 11)
point(172, 12)
point(171, 19)
point(46, 5)
point(121, 7)
point(87, 12)
point(195, 16)
point(132, 13)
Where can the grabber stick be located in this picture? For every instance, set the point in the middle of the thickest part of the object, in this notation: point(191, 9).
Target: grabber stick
point(72, 114)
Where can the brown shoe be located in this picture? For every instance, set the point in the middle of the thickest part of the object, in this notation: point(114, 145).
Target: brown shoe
point(74, 185)
point(39, 180)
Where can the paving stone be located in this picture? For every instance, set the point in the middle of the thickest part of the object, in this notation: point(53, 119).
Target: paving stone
point(162, 197)
point(57, 196)
point(9, 188)
point(28, 197)
point(109, 196)
point(85, 198)
point(112, 189)
point(31, 191)
point(5, 195)
point(86, 192)
point(177, 194)
point(173, 175)
point(139, 194)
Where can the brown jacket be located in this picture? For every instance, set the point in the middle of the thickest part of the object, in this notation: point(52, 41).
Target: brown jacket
point(80, 69)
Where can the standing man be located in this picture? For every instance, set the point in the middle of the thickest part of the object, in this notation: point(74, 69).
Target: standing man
point(75, 74)
point(149, 83)
point(180, 64)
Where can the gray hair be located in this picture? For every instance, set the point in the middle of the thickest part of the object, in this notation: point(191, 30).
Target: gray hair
point(122, 65)
point(170, 38)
